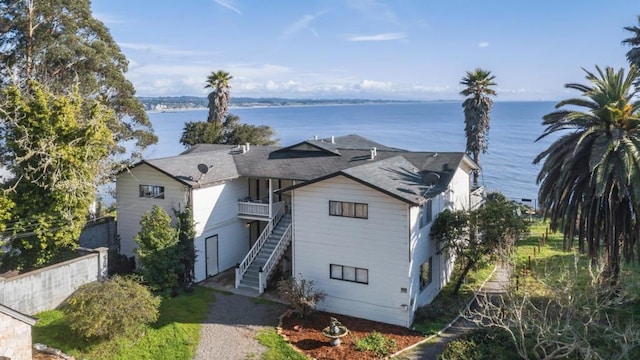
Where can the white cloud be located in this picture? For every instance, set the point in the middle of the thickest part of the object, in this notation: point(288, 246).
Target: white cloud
point(301, 24)
point(483, 44)
point(375, 85)
point(374, 10)
point(378, 37)
point(108, 19)
point(228, 5)
point(159, 49)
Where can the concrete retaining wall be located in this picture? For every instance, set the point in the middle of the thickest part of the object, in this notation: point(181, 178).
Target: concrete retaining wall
point(46, 288)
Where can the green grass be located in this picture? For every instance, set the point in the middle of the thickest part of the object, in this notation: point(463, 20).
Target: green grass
point(277, 348)
point(174, 336)
point(447, 305)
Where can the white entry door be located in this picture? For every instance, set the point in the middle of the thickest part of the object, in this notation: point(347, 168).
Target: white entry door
point(211, 251)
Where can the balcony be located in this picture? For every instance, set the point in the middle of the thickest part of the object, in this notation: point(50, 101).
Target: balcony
point(476, 198)
point(256, 209)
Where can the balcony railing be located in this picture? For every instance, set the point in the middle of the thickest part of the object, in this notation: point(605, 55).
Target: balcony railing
point(253, 208)
point(476, 198)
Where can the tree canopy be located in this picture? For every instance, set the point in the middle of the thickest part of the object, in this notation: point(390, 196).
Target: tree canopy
point(57, 144)
point(477, 107)
point(61, 45)
point(590, 176)
point(219, 98)
point(222, 127)
point(484, 233)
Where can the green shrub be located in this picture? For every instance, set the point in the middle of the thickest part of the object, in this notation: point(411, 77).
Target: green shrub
point(481, 344)
point(300, 294)
point(377, 343)
point(158, 254)
point(114, 307)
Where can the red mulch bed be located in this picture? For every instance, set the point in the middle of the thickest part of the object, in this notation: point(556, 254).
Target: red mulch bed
point(306, 335)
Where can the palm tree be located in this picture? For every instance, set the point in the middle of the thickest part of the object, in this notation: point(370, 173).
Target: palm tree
point(590, 179)
point(477, 107)
point(633, 55)
point(219, 97)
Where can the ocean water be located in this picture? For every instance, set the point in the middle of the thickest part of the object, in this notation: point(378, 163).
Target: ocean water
point(435, 126)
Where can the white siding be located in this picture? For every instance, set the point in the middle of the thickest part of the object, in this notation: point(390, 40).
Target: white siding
point(379, 244)
point(215, 212)
point(455, 198)
point(131, 206)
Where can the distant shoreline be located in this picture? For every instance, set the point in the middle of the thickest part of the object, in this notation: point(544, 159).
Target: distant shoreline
point(193, 103)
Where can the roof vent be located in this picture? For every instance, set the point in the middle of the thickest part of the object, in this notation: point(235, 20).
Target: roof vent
point(248, 146)
point(333, 139)
point(244, 149)
point(374, 152)
point(315, 137)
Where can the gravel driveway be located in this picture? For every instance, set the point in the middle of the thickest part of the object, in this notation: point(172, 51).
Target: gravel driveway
point(233, 320)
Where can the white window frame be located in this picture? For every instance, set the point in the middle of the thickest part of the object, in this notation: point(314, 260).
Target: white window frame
point(426, 282)
point(426, 213)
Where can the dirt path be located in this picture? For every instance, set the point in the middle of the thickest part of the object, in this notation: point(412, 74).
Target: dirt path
point(435, 344)
point(233, 320)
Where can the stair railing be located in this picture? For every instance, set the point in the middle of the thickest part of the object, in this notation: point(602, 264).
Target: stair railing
point(273, 259)
point(242, 267)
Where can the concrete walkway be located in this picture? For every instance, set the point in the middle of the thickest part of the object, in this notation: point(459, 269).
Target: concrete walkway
point(433, 346)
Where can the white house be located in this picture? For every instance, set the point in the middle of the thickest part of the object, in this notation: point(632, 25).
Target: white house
point(349, 213)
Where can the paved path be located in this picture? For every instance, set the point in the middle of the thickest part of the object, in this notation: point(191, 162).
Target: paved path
point(434, 346)
point(228, 333)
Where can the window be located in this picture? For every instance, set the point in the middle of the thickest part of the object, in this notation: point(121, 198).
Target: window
point(426, 273)
point(349, 209)
point(349, 273)
point(152, 191)
point(426, 213)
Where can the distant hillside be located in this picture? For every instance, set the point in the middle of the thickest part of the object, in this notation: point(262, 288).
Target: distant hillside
point(195, 102)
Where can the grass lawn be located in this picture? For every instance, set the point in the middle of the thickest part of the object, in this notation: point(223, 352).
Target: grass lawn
point(174, 336)
point(447, 305)
point(277, 348)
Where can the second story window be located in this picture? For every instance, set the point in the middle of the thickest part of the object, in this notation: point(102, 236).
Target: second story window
point(152, 191)
point(348, 209)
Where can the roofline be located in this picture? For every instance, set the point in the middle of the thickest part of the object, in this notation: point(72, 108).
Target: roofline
point(144, 162)
point(351, 177)
point(308, 142)
point(18, 315)
point(470, 162)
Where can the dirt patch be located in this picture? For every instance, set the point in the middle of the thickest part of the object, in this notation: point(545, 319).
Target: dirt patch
point(306, 335)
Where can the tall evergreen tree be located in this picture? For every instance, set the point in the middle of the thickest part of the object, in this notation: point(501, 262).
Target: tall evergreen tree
point(477, 107)
point(590, 176)
point(60, 44)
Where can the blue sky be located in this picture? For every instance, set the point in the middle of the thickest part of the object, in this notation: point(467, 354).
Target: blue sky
point(403, 49)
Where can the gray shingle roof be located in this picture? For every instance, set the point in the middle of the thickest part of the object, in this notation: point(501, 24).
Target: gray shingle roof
point(397, 172)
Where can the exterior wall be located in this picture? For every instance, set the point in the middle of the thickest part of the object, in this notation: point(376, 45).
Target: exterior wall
point(15, 338)
point(379, 244)
point(100, 233)
point(455, 198)
point(215, 212)
point(46, 288)
point(131, 206)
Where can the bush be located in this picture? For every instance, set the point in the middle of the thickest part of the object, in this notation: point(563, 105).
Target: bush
point(482, 344)
point(301, 295)
point(120, 264)
point(158, 253)
point(377, 343)
point(114, 307)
